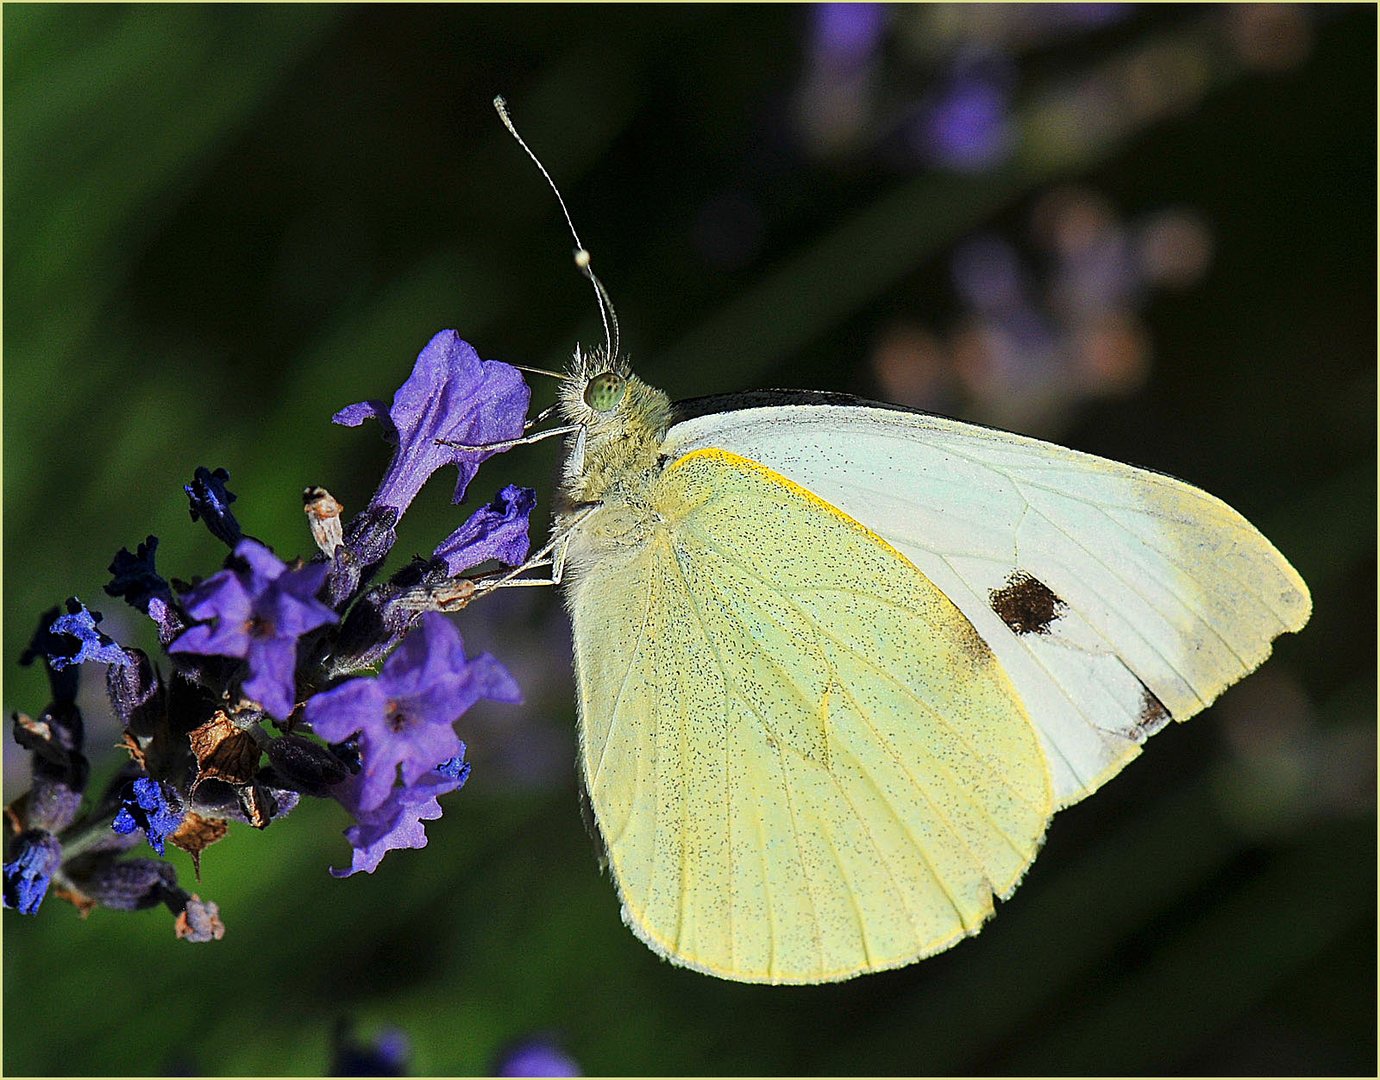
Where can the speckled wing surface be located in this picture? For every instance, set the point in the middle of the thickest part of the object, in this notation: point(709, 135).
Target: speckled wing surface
point(804, 761)
point(1114, 598)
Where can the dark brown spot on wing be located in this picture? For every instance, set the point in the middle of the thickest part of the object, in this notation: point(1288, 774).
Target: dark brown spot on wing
point(1153, 714)
point(1026, 604)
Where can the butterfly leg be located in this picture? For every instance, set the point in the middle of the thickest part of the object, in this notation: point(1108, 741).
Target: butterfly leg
point(508, 444)
point(552, 555)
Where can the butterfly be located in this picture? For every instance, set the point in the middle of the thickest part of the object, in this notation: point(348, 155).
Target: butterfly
point(839, 662)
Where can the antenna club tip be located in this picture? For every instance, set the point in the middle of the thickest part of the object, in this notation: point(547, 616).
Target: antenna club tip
point(501, 104)
point(582, 258)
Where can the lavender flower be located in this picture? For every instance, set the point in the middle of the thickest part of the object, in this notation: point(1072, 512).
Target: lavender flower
point(396, 823)
point(36, 858)
point(197, 741)
point(451, 395)
point(259, 612)
point(75, 639)
point(210, 501)
point(151, 806)
point(404, 716)
point(497, 531)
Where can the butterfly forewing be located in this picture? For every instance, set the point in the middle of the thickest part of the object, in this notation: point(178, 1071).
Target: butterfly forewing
point(1115, 598)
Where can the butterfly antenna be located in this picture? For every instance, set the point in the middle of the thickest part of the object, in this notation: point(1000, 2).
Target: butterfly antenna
point(606, 312)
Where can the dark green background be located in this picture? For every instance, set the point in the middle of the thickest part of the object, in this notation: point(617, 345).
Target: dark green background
point(224, 223)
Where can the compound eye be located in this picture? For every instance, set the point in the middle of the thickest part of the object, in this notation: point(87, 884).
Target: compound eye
point(603, 392)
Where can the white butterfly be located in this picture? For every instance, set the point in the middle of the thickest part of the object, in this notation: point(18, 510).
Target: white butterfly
point(838, 663)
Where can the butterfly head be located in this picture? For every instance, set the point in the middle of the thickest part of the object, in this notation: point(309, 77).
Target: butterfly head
point(609, 404)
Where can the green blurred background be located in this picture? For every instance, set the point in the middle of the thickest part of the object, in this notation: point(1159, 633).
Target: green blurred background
point(223, 223)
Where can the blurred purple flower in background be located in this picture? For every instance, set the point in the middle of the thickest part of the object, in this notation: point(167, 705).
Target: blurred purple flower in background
point(844, 36)
point(967, 87)
point(386, 1055)
point(1043, 330)
point(967, 127)
point(537, 1055)
point(835, 97)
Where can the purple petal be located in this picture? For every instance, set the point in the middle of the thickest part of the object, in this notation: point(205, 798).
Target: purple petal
point(356, 414)
point(431, 743)
point(405, 721)
point(397, 822)
point(306, 581)
point(446, 701)
point(222, 638)
point(78, 639)
point(264, 566)
point(453, 395)
point(221, 596)
point(338, 713)
point(492, 681)
point(272, 678)
point(432, 655)
point(497, 531)
point(378, 775)
point(288, 614)
point(401, 828)
point(260, 611)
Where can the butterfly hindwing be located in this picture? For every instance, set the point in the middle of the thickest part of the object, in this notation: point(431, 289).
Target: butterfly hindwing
point(804, 761)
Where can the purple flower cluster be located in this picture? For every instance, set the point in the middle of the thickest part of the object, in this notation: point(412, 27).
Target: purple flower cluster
point(272, 688)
